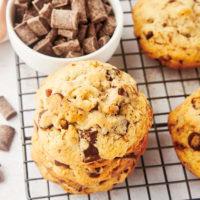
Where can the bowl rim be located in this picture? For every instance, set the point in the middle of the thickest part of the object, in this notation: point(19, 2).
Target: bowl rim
point(118, 30)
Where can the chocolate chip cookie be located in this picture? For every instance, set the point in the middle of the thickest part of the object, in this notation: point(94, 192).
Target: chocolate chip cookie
point(90, 127)
point(184, 126)
point(168, 30)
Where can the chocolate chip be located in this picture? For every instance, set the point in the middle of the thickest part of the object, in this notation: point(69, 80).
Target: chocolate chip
point(165, 58)
point(94, 175)
point(6, 137)
point(121, 91)
point(98, 169)
point(48, 92)
point(102, 182)
point(171, 1)
point(130, 155)
point(59, 164)
point(181, 62)
point(196, 103)
point(6, 109)
point(64, 124)
point(95, 107)
point(149, 35)
point(179, 146)
point(194, 141)
point(126, 171)
point(80, 189)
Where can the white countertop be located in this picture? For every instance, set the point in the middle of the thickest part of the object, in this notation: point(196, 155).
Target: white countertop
point(12, 188)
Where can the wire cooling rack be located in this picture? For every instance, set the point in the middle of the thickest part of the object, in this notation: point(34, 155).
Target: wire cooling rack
point(159, 174)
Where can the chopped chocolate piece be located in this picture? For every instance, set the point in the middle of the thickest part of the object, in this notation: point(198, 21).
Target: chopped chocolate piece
point(91, 30)
point(95, 107)
point(109, 26)
point(20, 9)
point(64, 124)
point(6, 137)
point(90, 45)
point(6, 109)
point(194, 141)
point(108, 9)
point(94, 175)
point(126, 171)
point(97, 11)
point(59, 3)
point(38, 25)
point(64, 19)
point(64, 48)
point(196, 103)
point(82, 32)
point(122, 92)
point(69, 34)
point(130, 155)
point(80, 7)
point(179, 146)
point(44, 46)
point(149, 35)
point(102, 182)
point(46, 11)
point(98, 27)
point(48, 92)
point(98, 169)
point(73, 54)
point(59, 40)
point(52, 35)
point(103, 40)
point(30, 13)
point(59, 164)
point(38, 4)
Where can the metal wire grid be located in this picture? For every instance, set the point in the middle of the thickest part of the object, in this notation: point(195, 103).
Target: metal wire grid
point(159, 174)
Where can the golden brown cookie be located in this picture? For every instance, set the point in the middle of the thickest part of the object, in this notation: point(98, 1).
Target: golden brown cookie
point(168, 30)
point(184, 126)
point(90, 127)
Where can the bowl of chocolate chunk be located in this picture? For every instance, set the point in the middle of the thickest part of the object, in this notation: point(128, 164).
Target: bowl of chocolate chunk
point(48, 34)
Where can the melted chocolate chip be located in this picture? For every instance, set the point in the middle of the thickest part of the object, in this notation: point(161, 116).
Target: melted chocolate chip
point(94, 175)
point(171, 1)
point(80, 189)
point(108, 76)
point(95, 107)
point(98, 169)
point(166, 58)
point(102, 182)
point(181, 62)
point(59, 164)
point(179, 146)
point(196, 103)
point(121, 91)
point(130, 155)
point(194, 141)
point(48, 92)
point(149, 35)
point(126, 171)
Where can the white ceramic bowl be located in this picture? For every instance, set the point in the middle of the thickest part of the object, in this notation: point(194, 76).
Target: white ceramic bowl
point(48, 64)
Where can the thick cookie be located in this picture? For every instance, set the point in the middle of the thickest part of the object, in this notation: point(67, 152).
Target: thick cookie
point(168, 30)
point(184, 126)
point(90, 127)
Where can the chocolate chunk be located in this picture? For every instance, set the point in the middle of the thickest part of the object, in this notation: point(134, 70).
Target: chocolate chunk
point(82, 32)
point(90, 45)
point(59, 40)
point(6, 137)
point(80, 7)
point(96, 11)
point(103, 40)
point(179, 146)
point(51, 36)
point(6, 109)
point(94, 175)
point(108, 9)
point(98, 27)
point(46, 11)
point(91, 153)
point(69, 34)
point(48, 92)
point(64, 48)
point(126, 171)
point(44, 46)
point(196, 103)
point(25, 33)
point(59, 3)
point(73, 54)
point(64, 19)
point(31, 12)
point(38, 4)
point(149, 35)
point(102, 182)
point(91, 30)
point(98, 169)
point(111, 74)
point(171, 1)
point(38, 25)
point(64, 124)
point(194, 141)
point(109, 26)
point(95, 107)
point(59, 164)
